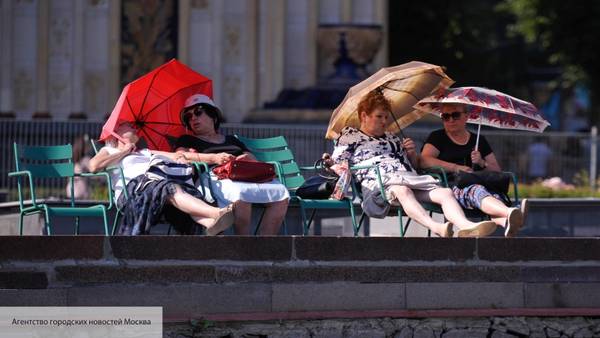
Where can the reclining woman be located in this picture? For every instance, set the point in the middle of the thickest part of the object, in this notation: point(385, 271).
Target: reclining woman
point(453, 148)
point(203, 118)
point(396, 159)
point(149, 195)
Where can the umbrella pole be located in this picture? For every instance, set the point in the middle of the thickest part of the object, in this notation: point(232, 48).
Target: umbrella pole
point(478, 132)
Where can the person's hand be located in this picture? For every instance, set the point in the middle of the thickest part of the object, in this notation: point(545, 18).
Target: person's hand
point(127, 148)
point(459, 168)
point(327, 160)
point(409, 146)
point(221, 158)
point(477, 159)
point(181, 158)
point(245, 157)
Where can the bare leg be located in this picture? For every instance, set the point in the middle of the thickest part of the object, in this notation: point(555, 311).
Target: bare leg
point(454, 212)
point(243, 218)
point(496, 209)
point(451, 208)
point(200, 211)
point(414, 210)
point(274, 215)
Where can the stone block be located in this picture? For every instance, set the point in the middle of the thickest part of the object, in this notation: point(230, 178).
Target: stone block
point(337, 296)
point(562, 295)
point(178, 301)
point(79, 274)
point(33, 297)
point(560, 274)
point(243, 274)
point(383, 249)
point(405, 332)
point(462, 333)
point(23, 280)
point(463, 295)
point(50, 248)
point(239, 248)
point(539, 249)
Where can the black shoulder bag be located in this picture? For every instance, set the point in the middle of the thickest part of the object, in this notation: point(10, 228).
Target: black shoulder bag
point(320, 186)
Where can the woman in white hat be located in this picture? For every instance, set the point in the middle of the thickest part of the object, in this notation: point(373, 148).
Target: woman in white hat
point(203, 118)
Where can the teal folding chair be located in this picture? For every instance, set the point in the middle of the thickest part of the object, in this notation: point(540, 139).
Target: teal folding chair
point(52, 162)
point(113, 204)
point(276, 150)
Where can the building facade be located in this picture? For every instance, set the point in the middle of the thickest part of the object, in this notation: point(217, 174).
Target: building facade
point(69, 59)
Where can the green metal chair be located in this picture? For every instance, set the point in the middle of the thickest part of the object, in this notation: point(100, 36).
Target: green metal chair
point(398, 210)
point(113, 204)
point(276, 150)
point(47, 162)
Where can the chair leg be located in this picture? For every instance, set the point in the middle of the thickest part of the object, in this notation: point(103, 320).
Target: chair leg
point(47, 221)
point(76, 225)
point(21, 224)
point(305, 225)
point(400, 222)
point(360, 222)
point(116, 222)
point(257, 228)
point(354, 225)
point(105, 219)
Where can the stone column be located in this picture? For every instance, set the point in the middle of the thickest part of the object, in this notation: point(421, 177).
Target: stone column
point(300, 43)
point(60, 57)
point(200, 44)
point(114, 52)
point(26, 45)
point(330, 11)
point(239, 64)
point(6, 65)
point(373, 12)
point(77, 61)
point(270, 49)
point(97, 48)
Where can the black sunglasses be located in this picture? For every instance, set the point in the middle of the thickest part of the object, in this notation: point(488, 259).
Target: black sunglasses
point(196, 111)
point(454, 115)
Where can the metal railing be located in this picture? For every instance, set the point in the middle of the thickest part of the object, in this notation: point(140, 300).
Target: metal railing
point(571, 152)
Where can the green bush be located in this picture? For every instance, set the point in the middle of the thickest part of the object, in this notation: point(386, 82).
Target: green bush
point(540, 191)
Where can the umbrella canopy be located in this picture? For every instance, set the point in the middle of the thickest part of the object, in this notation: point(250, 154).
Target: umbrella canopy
point(153, 102)
point(488, 107)
point(403, 85)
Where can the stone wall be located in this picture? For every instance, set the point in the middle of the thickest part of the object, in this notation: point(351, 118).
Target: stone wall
point(268, 278)
point(472, 327)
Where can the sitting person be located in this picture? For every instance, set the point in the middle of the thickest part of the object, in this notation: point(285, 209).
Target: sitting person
point(452, 148)
point(149, 195)
point(208, 145)
point(396, 159)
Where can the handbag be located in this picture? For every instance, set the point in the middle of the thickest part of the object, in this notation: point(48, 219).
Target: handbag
point(494, 181)
point(245, 171)
point(318, 187)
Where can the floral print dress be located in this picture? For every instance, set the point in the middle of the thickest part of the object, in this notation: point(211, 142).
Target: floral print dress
point(361, 149)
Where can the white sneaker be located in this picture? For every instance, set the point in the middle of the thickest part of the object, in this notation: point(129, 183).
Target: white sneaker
point(524, 209)
point(514, 222)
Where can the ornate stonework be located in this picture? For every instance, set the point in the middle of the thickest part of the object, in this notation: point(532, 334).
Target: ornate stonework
point(23, 91)
point(148, 36)
point(232, 42)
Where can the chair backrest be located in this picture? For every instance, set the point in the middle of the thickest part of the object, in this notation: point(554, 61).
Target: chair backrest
point(276, 150)
point(45, 161)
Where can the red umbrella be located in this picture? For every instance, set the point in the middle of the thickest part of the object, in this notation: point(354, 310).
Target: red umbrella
point(153, 102)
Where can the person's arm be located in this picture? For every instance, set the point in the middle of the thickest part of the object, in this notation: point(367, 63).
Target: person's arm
point(103, 159)
point(193, 156)
point(429, 158)
point(410, 148)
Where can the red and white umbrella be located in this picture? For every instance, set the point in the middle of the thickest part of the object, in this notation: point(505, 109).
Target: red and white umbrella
point(488, 107)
